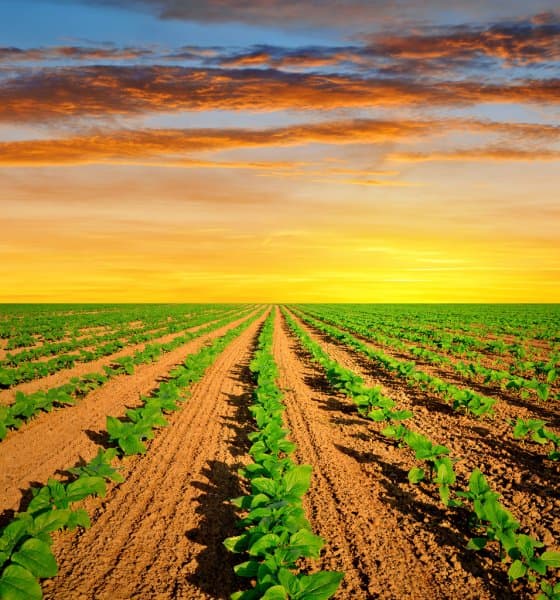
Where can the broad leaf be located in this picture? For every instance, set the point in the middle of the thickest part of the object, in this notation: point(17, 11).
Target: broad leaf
point(17, 583)
point(37, 558)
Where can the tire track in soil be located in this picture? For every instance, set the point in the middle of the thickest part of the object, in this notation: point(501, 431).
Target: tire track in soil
point(389, 544)
point(54, 441)
point(517, 469)
point(160, 534)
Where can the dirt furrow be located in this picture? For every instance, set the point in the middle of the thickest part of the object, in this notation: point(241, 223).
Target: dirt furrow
point(518, 470)
point(57, 440)
point(63, 376)
point(167, 542)
point(529, 408)
point(390, 543)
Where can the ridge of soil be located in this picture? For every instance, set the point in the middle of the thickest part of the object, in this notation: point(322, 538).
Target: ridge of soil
point(518, 470)
point(509, 401)
point(160, 533)
point(412, 547)
point(58, 440)
point(81, 368)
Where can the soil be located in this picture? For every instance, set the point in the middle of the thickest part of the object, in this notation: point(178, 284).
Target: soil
point(160, 534)
point(390, 540)
point(64, 375)
point(168, 542)
point(58, 440)
point(517, 469)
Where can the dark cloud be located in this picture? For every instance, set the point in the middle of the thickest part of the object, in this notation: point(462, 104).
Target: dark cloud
point(103, 91)
point(525, 41)
point(13, 54)
point(340, 14)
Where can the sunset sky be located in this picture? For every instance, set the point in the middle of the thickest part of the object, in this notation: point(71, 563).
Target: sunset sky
point(279, 150)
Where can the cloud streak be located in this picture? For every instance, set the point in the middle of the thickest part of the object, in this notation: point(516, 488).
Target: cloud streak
point(346, 14)
point(14, 54)
point(488, 153)
point(175, 147)
point(105, 91)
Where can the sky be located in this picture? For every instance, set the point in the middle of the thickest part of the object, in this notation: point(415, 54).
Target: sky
point(279, 151)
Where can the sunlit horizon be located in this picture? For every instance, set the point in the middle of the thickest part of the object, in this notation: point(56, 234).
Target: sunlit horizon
point(275, 152)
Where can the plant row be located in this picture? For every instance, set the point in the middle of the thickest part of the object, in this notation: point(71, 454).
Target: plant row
point(132, 335)
point(35, 370)
point(26, 406)
point(541, 388)
point(25, 543)
point(442, 335)
point(458, 397)
point(277, 534)
point(491, 522)
point(27, 325)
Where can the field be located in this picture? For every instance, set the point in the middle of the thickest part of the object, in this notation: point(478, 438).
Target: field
point(279, 451)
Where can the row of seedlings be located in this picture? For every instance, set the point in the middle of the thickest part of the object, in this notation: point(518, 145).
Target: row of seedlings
point(25, 543)
point(277, 534)
point(491, 522)
point(26, 406)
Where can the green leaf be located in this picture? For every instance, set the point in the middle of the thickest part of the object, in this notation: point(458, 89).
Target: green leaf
point(304, 543)
point(444, 493)
point(264, 485)
point(264, 544)
point(320, 586)
point(476, 543)
point(276, 592)
point(79, 518)
point(415, 475)
point(84, 487)
point(17, 583)
point(552, 559)
point(517, 570)
point(13, 533)
point(290, 582)
point(37, 558)
point(131, 444)
point(237, 543)
point(51, 521)
point(298, 480)
point(249, 569)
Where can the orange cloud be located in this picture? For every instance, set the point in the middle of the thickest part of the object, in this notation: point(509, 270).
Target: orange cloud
point(142, 145)
point(493, 153)
point(527, 41)
point(172, 147)
point(102, 91)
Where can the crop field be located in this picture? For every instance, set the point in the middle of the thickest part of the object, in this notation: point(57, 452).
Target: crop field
point(305, 451)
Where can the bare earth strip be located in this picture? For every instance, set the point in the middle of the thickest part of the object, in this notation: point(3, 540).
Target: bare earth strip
point(390, 543)
point(57, 440)
point(159, 534)
point(517, 469)
point(63, 376)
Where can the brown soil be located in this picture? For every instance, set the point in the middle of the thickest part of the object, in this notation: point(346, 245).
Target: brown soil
point(160, 534)
point(511, 405)
point(516, 469)
point(57, 440)
point(63, 376)
point(390, 540)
